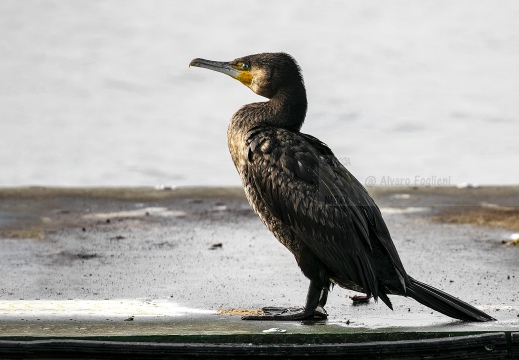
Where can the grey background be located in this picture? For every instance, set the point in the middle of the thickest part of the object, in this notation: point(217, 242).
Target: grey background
point(97, 93)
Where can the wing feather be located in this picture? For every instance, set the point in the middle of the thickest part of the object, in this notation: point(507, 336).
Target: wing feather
point(305, 186)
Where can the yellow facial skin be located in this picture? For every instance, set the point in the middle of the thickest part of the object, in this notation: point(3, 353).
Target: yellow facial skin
point(245, 77)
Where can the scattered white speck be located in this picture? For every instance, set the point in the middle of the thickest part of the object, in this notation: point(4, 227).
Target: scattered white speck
point(274, 330)
point(465, 185)
point(489, 205)
point(401, 196)
point(514, 237)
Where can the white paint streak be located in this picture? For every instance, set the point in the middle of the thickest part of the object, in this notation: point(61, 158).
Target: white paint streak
point(95, 308)
point(150, 211)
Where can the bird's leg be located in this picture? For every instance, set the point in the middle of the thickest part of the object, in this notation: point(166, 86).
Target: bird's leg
point(319, 310)
point(312, 308)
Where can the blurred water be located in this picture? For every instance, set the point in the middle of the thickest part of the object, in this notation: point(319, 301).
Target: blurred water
point(99, 93)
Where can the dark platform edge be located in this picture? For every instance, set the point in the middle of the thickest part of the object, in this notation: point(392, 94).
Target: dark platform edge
point(496, 345)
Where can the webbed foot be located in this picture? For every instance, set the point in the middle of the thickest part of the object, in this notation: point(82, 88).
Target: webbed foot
point(288, 314)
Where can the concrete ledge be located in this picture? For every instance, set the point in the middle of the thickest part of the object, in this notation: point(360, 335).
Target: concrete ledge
point(78, 264)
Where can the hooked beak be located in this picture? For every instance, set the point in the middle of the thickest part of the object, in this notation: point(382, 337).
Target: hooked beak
point(220, 66)
point(243, 76)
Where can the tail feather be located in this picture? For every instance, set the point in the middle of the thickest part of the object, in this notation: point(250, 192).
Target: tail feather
point(383, 296)
point(444, 303)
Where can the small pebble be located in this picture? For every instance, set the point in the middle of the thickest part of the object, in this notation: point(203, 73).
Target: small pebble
point(216, 246)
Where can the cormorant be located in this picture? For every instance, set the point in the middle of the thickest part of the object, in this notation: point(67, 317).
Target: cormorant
point(310, 202)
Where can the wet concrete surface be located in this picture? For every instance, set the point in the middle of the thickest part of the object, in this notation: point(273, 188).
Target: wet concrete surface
point(141, 262)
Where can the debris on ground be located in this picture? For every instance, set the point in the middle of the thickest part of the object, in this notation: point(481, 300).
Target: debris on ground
point(503, 217)
point(360, 299)
point(240, 312)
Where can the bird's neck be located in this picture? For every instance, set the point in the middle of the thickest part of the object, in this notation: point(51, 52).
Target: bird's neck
point(284, 110)
point(288, 109)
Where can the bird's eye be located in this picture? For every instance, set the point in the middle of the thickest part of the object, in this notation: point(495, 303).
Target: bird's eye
point(244, 66)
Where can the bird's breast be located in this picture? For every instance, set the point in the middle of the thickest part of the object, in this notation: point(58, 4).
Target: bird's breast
point(236, 139)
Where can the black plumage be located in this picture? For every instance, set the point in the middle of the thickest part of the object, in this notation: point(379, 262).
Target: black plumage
point(310, 201)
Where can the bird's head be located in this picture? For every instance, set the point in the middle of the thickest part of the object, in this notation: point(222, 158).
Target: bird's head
point(265, 74)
